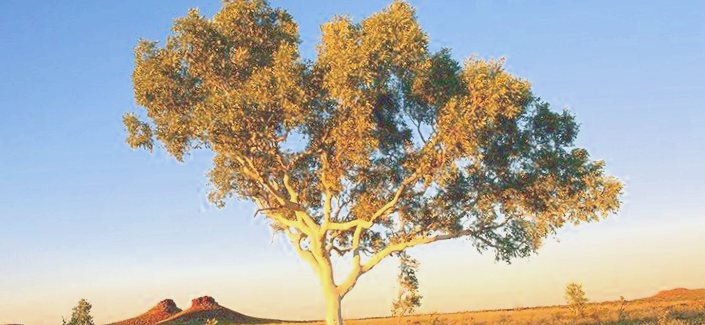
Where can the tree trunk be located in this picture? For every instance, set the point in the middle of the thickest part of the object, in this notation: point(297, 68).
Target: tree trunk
point(334, 315)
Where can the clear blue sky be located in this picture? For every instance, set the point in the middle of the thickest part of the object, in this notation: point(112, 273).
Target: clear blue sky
point(83, 215)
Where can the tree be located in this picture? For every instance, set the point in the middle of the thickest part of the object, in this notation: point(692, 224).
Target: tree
point(575, 296)
point(408, 298)
point(81, 314)
point(375, 146)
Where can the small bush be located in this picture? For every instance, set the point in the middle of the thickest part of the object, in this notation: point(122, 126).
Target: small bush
point(575, 296)
point(81, 314)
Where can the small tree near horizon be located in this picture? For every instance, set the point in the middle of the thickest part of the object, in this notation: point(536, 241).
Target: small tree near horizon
point(81, 314)
point(376, 145)
point(408, 298)
point(576, 299)
point(621, 310)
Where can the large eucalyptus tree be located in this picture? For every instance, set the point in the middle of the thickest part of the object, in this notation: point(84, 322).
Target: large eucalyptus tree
point(375, 146)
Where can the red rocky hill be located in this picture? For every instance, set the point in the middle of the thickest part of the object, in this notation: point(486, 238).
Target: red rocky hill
point(679, 294)
point(205, 308)
point(163, 310)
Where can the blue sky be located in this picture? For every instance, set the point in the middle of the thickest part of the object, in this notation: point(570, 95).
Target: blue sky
point(82, 215)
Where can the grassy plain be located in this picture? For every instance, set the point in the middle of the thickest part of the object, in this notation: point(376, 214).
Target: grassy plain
point(673, 307)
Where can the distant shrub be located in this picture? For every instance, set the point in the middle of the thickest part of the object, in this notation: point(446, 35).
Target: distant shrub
point(621, 310)
point(408, 298)
point(81, 314)
point(575, 296)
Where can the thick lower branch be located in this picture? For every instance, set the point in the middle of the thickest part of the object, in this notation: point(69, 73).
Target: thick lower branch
point(398, 247)
point(305, 254)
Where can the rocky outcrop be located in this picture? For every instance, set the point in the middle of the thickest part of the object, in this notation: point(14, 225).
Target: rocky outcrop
point(205, 308)
point(204, 302)
point(163, 310)
point(202, 309)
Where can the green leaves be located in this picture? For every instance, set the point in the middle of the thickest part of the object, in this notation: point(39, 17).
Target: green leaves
point(408, 298)
point(81, 314)
point(392, 133)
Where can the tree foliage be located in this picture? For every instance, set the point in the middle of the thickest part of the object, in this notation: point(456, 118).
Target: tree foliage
point(81, 314)
point(376, 145)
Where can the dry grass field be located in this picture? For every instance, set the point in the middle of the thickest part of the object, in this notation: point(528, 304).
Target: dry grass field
point(673, 307)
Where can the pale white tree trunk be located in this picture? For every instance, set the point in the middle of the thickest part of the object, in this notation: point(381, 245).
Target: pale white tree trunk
point(334, 315)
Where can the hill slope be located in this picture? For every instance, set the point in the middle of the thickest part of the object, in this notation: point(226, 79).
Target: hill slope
point(679, 294)
point(163, 310)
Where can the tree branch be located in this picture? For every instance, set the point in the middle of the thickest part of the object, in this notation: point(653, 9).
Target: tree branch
point(392, 203)
point(327, 208)
point(343, 226)
point(277, 217)
point(398, 247)
point(366, 224)
point(293, 195)
point(339, 207)
point(250, 170)
point(356, 271)
point(306, 255)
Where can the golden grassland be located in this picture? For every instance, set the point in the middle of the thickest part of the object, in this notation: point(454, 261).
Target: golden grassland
point(662, 309)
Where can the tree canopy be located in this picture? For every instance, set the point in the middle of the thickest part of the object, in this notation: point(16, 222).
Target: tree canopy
point(376, 145)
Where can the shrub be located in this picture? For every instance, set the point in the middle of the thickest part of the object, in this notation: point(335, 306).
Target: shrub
point(575, 296)
point(81, 314)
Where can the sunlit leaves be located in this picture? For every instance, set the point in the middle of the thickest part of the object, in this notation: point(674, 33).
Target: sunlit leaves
point(390, 132)
point(139, 134)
